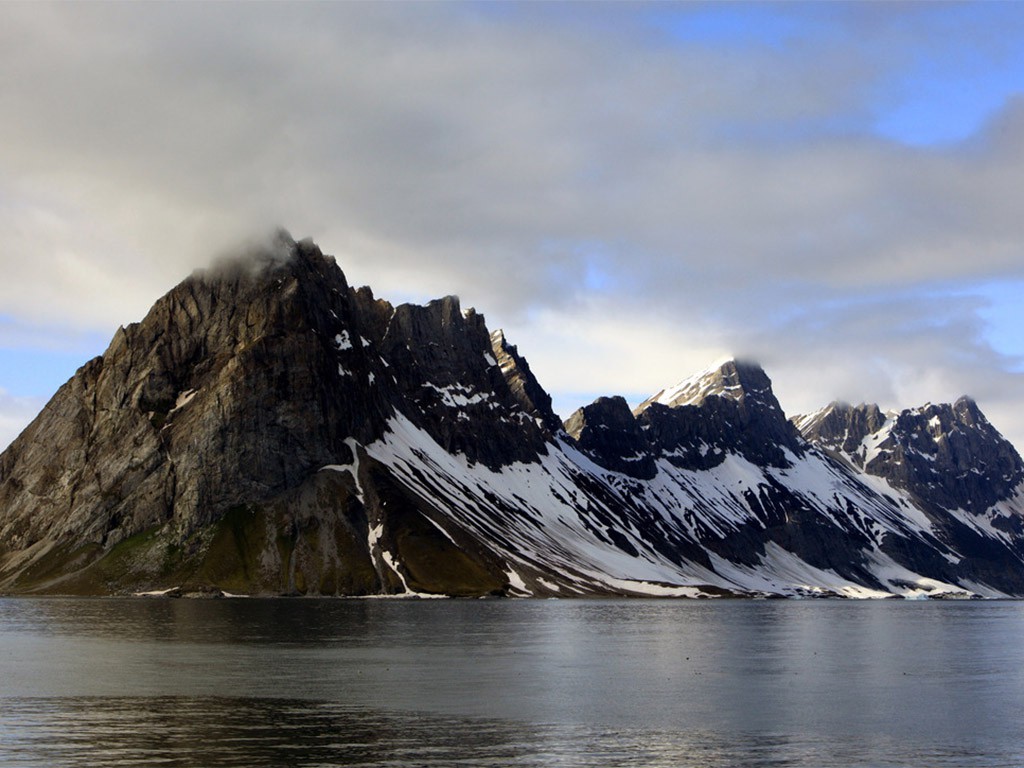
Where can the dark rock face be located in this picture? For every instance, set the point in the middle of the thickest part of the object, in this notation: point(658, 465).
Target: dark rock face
point(606, 431)
point(441, 362)
point(954, 464)
point(524, 385)
point(948, 456)
point(731, 408)
point(238, 385)
point(841, 428)
point(247, 349)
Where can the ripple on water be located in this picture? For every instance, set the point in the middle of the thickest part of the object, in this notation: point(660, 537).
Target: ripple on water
point(217, 732)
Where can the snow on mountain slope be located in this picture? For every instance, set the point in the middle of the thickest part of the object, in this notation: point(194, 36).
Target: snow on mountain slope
point(565, 526)
point(944, 463)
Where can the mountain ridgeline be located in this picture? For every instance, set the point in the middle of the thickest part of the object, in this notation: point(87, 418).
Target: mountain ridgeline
point(268, 429)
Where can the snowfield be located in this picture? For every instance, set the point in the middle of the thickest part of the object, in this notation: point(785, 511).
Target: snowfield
point(559, 533)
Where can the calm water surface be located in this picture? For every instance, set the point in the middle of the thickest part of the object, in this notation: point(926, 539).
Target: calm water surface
point(519, 683)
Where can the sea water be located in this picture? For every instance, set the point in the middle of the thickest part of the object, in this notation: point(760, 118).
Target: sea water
point(309, 682)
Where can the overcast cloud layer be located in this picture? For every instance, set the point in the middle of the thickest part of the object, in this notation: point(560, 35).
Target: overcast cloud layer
point(631, 191)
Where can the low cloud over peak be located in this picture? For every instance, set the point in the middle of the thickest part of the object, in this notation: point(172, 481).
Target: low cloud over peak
point(668, 183)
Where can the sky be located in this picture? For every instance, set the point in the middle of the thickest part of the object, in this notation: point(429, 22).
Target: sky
point(632, 191)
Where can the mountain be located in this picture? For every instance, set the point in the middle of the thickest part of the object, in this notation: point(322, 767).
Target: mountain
point(949, 463)
point(268, 429)
point(948, 456)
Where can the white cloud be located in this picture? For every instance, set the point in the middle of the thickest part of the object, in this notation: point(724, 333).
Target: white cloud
point(839, 352)
point(730, 198)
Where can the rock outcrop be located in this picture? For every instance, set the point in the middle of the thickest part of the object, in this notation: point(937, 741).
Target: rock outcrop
point(237, 387)
point(608, 433)
point(524, 385)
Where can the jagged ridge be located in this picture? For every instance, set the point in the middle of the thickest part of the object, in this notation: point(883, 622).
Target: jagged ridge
point(266, 428)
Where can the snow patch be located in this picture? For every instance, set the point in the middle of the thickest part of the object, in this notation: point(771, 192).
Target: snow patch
point(158, 592)
point(184, 398)
point(515, 581)
point(352, 469)
point(657, 590)
point(459, 396)
point(342, 341)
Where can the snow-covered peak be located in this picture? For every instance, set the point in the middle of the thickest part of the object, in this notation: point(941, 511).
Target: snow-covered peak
point(731, 407)
point(733, 379)
point(806, 422)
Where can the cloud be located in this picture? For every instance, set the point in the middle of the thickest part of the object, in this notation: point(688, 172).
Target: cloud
point(255, 253)
point(651, 184)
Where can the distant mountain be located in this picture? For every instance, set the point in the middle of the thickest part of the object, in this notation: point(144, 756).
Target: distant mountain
point(948, 456)
point(268, 429)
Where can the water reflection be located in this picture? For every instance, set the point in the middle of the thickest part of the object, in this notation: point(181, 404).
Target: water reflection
point(220, 732)
point(603, 683)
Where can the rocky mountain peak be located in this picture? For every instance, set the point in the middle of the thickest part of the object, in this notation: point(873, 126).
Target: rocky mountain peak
point(608, 433)
point(968, 412)
point(524, 385)
point(269, 257)
point(948, 455)
point(951, 455)
point(729, 407)
point(841, 428)
point(252, 361)
point(442, 362)
point(269, 362)
point(737, 380)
